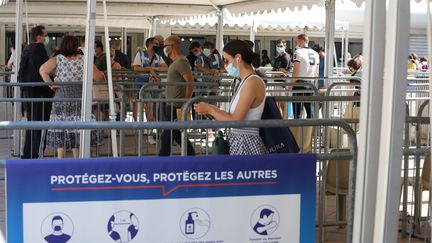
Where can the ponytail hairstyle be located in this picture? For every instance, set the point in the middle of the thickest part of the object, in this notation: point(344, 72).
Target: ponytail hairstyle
point(235, 47)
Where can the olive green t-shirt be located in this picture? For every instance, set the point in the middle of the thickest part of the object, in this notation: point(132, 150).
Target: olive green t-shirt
point(176, 71)
point(100, 62)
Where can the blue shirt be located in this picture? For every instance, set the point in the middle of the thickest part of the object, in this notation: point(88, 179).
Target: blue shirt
point(214, 61)
point(57, 238)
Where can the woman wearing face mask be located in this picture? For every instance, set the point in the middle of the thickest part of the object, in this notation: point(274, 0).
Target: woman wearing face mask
point(247, 102)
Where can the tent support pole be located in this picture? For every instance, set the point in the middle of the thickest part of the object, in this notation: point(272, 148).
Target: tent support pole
point(153, 27)
point(329, 37)
point(392, 122)
point(252, 34)
point(87, 93)
point(346, 45)
point(220, 31)
point(112, 114)
point(124, 41)
point(17, 90)
point(381, 121)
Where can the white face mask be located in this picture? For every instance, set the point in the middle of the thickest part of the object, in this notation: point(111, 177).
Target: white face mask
point(206, 52)
point(280, 50)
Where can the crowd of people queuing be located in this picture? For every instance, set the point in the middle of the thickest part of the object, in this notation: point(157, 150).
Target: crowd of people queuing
point(238, 60)
point(417, 64)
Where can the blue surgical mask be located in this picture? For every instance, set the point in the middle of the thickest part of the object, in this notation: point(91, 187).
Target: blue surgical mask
point(57, 228)
point(280, 50)
point(233, 71)
point(165, 51)
point(206, 52)
point(198, 54)
point(47, 40)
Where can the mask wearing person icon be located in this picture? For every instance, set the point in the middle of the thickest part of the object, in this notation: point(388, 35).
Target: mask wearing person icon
point(57, 235)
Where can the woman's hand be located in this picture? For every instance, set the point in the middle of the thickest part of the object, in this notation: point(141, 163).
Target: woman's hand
point(202, 108)
point(55, 87)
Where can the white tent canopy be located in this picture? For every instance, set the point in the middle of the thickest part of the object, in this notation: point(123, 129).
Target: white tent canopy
point(286, 19)
point(135, 13)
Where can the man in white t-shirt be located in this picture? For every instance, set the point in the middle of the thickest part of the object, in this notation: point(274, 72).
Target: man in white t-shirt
point(306, 64)
point(148, 61)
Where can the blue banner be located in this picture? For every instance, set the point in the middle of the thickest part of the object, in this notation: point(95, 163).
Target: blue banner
point(220, 199)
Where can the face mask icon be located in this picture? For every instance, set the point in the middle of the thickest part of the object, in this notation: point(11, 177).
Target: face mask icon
point(57, 228)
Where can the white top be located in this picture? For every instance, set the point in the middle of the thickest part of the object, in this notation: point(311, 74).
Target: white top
point(309, 62)
point(11, 61)
point(141, 59)
point(252, 114)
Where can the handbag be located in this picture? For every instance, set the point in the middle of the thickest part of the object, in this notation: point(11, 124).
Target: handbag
point(278, 139)
point(220, 146)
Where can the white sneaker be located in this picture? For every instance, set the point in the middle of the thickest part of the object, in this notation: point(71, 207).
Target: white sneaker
point(151, 140)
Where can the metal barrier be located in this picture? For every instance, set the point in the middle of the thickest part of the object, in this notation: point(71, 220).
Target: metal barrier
point(348, 155)
point(315, 123)
point(98, 103)
point(172, 103)
point(319, 139)
point(420, 122)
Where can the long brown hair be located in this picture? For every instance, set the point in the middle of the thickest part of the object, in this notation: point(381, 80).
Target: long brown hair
point(69, 46)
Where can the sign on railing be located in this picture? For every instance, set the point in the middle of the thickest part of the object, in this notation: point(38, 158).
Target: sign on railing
point(161, 199)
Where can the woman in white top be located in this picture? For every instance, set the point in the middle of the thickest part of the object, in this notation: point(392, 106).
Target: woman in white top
point(247, 102)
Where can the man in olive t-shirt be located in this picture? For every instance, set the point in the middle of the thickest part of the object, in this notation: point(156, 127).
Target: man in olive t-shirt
point(178, 71)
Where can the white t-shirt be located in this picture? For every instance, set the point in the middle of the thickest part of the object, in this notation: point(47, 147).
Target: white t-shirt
point(142, 59)
point(309, 62)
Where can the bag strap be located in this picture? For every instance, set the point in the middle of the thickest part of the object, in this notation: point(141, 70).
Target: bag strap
point(217, 60)
point(242, 82)
point(141, 53)
point(152, 59)
point(207, 62)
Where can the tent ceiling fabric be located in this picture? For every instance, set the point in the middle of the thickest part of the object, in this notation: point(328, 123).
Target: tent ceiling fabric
point(273, 20)
point(135, 13)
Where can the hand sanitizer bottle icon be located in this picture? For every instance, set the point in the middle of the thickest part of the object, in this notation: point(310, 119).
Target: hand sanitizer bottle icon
point(190, 224)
